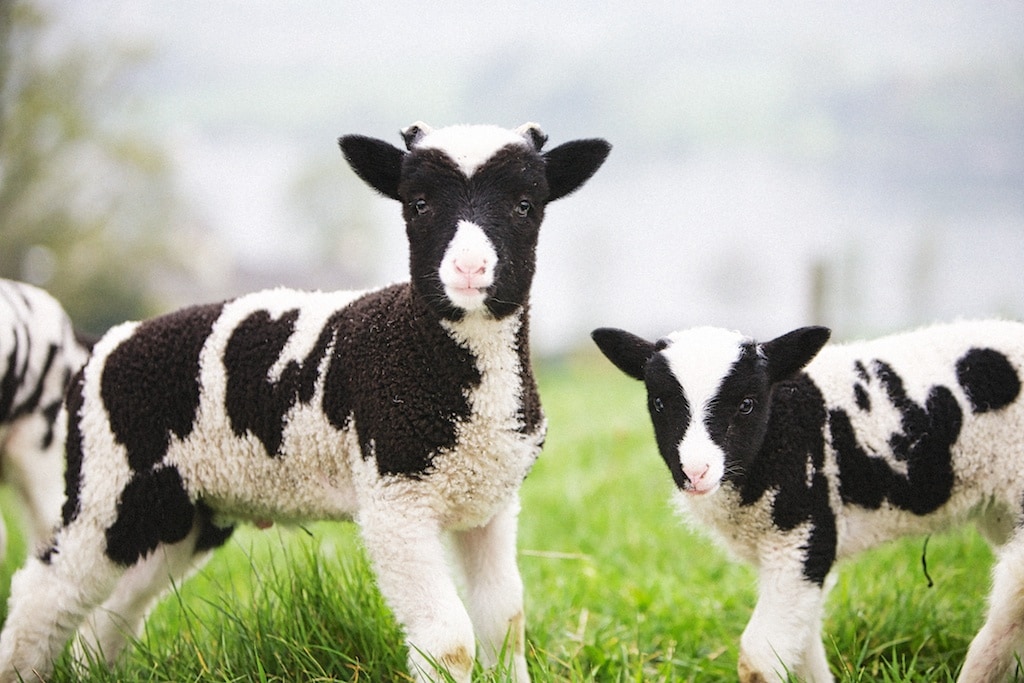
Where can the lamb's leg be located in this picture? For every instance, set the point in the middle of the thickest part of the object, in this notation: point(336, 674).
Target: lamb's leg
point(495, 589)
point(776, 640)
point(109, 628)
point(409, 559)
point(992, 652)
point(48, 601)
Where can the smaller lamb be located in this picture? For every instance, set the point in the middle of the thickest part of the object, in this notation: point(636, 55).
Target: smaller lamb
point(39, 353)
point(796, 456)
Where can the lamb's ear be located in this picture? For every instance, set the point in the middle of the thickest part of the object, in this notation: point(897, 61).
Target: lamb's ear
point(788, 354)
point(377, 162)
point(571, 164)
point(627, 351)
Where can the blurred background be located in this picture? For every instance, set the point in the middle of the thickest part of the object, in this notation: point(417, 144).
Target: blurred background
point(859, 165)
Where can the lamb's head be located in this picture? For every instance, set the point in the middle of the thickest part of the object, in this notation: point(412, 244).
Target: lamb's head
point(473, 198)
point(709, 394)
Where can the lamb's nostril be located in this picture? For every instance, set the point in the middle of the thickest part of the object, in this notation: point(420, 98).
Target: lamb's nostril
point(474, 267)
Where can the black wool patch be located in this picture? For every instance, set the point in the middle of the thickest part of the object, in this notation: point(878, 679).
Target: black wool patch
point(73, 450)
point(254, 403)
point(210, 536)
point(530, 412)
point(925, 443)
point(861, 397)
point(791, 462)
point(396, 371)
point(150, 382)
point(31, 402)
point(988, 379)
point(9, 384)
point(154, 508)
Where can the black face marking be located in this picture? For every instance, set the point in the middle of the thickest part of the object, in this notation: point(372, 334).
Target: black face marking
point(391, 369)
point(154, 508)
point(988, 379)
point(670, 414)
point(254, 403)
point(924, 443)
point(737, 417)
point(150, 383)
point(791, 462)
point(436, 196)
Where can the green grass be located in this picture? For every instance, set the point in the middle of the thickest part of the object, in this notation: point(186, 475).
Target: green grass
point(617, 587)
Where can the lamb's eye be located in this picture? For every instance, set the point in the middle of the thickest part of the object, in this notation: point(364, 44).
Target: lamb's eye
point(523, 208)
point(658, 404)
point(746, 406)
point(421, 206)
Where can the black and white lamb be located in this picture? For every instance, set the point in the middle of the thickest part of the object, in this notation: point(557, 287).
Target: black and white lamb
point(39, 353)
point(411, 409)
point(796, 456)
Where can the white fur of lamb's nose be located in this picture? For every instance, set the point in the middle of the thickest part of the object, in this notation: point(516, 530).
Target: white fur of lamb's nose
point(467, 268)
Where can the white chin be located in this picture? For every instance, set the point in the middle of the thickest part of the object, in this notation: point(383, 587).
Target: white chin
point(466, 299)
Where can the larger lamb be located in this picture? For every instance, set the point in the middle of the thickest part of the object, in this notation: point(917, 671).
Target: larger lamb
point(411, 409)
point(796, 456)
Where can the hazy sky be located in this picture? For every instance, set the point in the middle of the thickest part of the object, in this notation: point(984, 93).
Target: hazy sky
point(722, 226)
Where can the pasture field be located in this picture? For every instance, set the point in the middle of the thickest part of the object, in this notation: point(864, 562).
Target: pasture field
point(617, 587)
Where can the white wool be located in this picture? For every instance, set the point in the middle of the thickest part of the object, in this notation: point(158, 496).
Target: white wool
point(470, 146)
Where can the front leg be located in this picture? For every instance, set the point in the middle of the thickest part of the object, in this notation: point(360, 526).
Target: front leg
point(409, 558)
point(495, 590)
point(783, 636)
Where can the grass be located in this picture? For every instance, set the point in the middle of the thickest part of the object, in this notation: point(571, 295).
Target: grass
point(618, 588)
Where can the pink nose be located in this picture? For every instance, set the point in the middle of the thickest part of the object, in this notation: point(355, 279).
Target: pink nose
point(696, 473)
point(470, 267)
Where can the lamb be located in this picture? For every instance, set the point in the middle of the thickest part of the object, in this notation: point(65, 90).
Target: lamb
point(796, 456)
point(39, 352)
point(410, 409)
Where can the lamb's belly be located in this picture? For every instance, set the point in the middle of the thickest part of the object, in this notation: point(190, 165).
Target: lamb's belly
point(239, 480)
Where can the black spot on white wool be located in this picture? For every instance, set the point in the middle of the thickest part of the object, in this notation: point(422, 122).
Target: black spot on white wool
point(150, 384)
point(988, 379)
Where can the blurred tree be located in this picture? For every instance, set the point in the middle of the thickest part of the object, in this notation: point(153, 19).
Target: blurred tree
point(83, 200)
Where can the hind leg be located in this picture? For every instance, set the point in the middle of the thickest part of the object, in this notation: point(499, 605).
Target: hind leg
point(992, 652)
point(49, 600)
point(109, 628)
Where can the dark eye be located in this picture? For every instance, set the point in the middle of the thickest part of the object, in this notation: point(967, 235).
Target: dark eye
point(746, 406)
point(658, 404)
point(421, 206)
point(523, 208)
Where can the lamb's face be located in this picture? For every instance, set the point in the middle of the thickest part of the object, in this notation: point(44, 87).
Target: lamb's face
point(473, 200)
point(707, 392)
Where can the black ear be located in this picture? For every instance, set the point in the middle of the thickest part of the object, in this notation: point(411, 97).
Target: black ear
point(789, 353)
point(571, 164)
point(627, 351)
point(375, 161)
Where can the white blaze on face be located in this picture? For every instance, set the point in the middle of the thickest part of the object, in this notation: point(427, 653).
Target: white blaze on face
point(470, 146)
point(700, 359)
point(467, 268)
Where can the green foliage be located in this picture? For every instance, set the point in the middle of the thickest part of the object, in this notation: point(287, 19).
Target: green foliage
point(84, 201)
point(618, 588)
